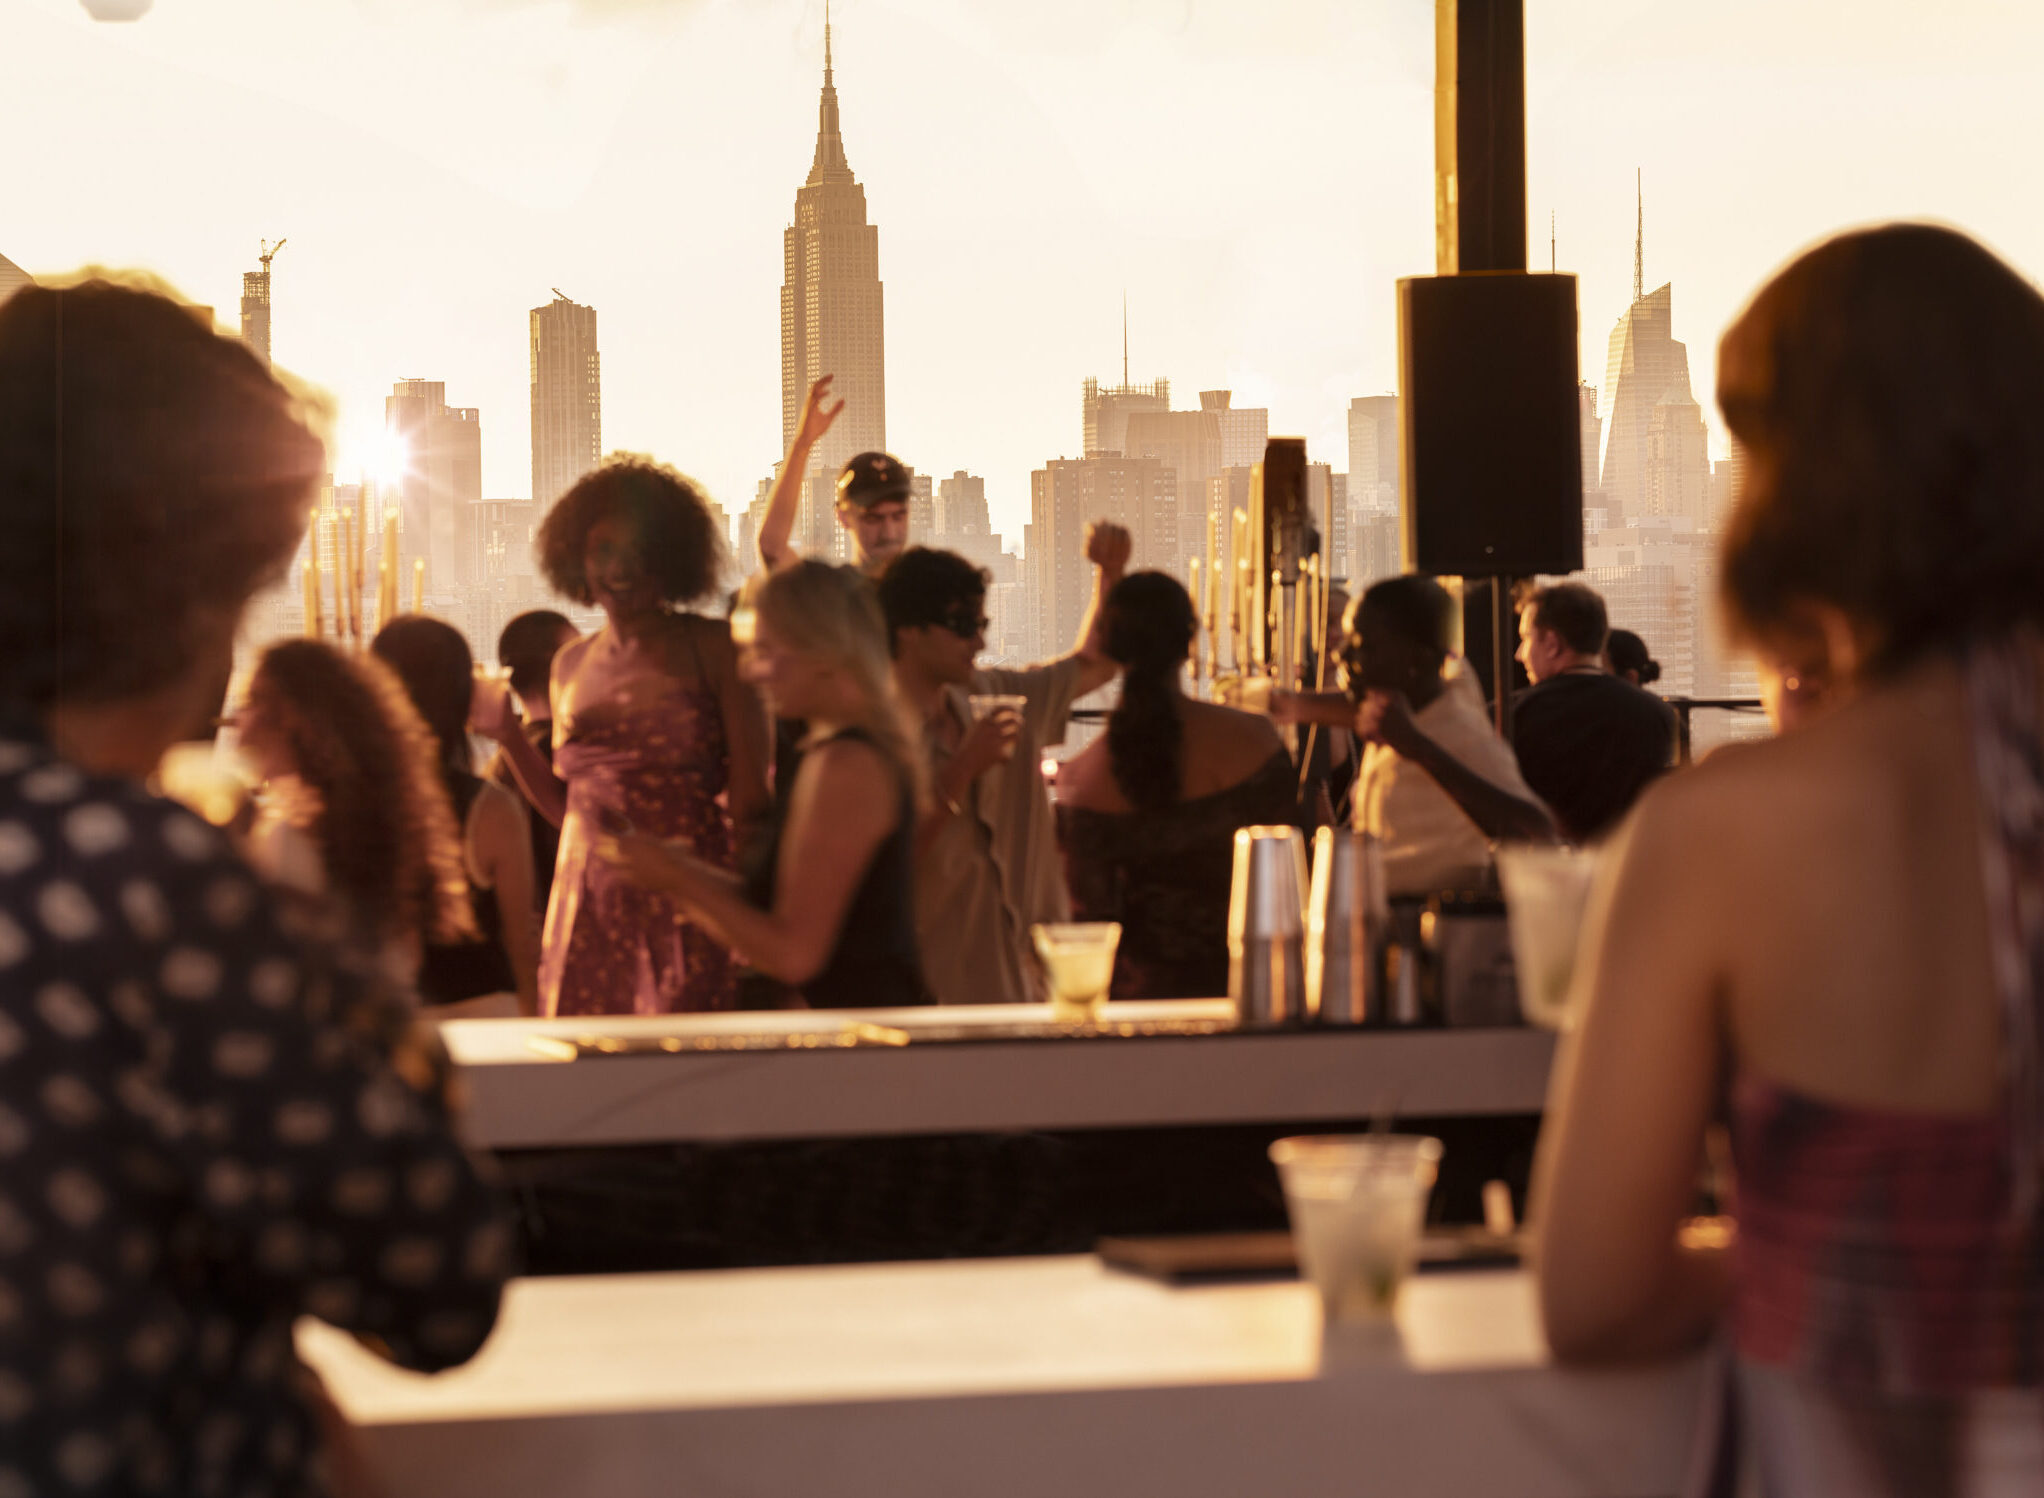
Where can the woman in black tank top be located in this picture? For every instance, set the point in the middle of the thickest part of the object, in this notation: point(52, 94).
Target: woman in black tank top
point(825, 908)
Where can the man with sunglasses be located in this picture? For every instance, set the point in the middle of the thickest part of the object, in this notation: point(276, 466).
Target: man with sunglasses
point(987, 865)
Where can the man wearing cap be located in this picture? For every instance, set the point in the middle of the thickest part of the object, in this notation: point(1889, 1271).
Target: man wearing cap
point(872, 494)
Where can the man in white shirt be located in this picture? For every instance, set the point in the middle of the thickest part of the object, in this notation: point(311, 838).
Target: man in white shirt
point(1437, 784)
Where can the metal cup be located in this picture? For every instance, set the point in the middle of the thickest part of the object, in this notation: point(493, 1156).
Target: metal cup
point(1344, 919)
point(1267, 927)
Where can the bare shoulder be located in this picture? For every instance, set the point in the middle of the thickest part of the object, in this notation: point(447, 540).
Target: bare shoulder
point(1242, 738)
point(568, 659)
point(848, 767)
point(498, 811)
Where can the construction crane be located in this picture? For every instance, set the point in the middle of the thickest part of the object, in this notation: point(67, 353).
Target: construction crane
point(269, 252)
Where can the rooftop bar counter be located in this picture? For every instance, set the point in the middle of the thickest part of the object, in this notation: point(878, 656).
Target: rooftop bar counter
point(960, 1070)
point(1008, 1378)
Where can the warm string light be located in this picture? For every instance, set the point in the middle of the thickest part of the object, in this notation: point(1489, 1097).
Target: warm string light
point(419, 585)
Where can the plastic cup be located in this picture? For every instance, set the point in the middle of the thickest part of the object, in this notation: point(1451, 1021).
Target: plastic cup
point(1356, 1202)
point(1547, 891)
point(986, 704)
point(1078, 956)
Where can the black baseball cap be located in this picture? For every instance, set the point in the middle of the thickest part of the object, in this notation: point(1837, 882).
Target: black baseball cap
point(870, 478)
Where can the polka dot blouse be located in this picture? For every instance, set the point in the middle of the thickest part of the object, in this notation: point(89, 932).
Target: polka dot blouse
point(204, 1133)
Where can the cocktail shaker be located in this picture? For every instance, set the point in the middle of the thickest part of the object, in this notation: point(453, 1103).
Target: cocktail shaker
point(1267, 927)
point(1345, 918)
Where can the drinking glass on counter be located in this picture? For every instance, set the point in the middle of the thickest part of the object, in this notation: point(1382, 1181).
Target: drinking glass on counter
point(1356, 1202)
point(1547, 892)
point(1079, 958)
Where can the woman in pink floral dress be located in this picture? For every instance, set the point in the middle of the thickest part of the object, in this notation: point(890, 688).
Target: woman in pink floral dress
point(652, 730)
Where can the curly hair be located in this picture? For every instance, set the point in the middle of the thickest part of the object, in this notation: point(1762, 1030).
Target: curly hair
point(681, 542)
point(1150, 626)
point(1884, 389)
point(152, 474)
point(431, 659)
point(381, 818)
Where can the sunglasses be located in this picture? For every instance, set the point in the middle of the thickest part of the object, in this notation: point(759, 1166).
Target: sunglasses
point(965, 627)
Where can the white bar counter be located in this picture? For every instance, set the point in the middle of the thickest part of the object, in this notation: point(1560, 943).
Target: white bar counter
point(522, 1099)
point(1012, 1378)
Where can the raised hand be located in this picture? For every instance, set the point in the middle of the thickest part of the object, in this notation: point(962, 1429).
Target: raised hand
point(1109, 546)
point(817, 414)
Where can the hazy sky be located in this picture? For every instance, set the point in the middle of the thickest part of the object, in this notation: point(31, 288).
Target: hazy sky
point(1255, 174)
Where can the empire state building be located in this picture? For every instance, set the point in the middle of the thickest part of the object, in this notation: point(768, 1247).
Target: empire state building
point(831, 319)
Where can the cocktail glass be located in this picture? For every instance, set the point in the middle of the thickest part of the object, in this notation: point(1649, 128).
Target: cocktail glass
point(1356, 1203)
point(1078, 956)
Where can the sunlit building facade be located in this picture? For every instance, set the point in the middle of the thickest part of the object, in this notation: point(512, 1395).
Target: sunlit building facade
point(567, 396)
point(831, 321)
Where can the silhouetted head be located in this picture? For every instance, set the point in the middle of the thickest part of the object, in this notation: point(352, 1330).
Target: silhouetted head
point(1400, 633)
point(1627, 654)
point(153, 475)
point(1148, 630)
point(432, 660)
point(528, 645)
point(1562, 625)
point(1884, 388)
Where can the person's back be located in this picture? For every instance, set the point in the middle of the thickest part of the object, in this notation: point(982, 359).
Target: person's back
point(1835, 941)
point(1147, 813)
point(1587, 744)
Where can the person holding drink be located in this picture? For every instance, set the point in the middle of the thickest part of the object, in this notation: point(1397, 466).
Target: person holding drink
point(986, 852)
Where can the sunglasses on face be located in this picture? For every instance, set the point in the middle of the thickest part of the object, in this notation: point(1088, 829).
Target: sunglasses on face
point(964, 625)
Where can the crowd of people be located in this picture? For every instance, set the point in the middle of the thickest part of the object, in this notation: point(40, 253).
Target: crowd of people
point(218, 1110)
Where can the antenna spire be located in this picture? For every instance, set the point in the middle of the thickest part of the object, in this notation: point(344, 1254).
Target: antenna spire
point(1124, 340)
point(1639, 241)
point(1550, 241)
point(826, 41)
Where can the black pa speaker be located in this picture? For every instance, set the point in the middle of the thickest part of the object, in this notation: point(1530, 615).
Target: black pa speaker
point(1490, 466)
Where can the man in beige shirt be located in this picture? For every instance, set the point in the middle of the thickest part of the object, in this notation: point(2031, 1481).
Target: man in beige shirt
point(1437, 784)
point(987, 865)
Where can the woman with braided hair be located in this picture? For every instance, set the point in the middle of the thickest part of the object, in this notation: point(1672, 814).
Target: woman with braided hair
point(1147, 812)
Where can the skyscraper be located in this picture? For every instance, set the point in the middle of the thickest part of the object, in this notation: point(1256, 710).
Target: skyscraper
point(1656, 460)
point(1068, 493)
point(567, 397)
point(440, 492)
point(1105, 409)
point(255, 303)
point(831, 319)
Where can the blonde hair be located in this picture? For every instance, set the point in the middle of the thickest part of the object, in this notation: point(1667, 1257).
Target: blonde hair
point(832, 614)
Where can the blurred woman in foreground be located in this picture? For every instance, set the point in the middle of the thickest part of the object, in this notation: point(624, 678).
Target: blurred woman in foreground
point(1837, 938)
point(825, 905)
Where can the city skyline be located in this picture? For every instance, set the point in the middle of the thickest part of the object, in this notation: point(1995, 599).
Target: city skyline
point(438, 166)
